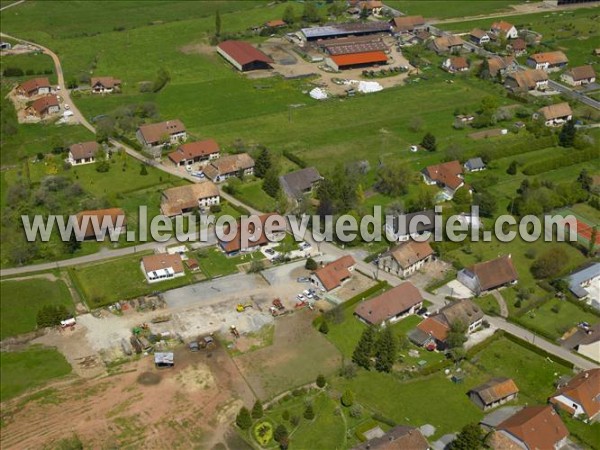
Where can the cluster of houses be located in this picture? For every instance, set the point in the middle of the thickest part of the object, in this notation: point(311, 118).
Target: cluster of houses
point(42, 101)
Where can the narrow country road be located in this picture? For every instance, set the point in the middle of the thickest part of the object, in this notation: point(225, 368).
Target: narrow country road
point(327, 248)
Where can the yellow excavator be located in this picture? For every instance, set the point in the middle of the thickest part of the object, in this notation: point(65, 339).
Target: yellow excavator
point(241, 307)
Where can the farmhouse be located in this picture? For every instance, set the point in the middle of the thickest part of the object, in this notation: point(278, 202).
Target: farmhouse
point(406, 258)
point(299, 183)
point(373, 7)
point(33, 87)
point(447, 44)
point(334, 274)
point(501, 65)
point(494, 393)
point(527, 80)
point(548, 61)
point(351, 45)
point(448, 176)
point(533, 427)
point(83, 153)
point(162, 266)
point(455, 64)
point(43, 107)
point(488, 275)
point(356, 60)
point(478, 36)
point(581, 395)
point(504, 29)
point(194, 152)
point(225, 167)
point(344, 29)
point(578, 76)
point(518, 47)
point(475, 165)
point(256, 234)
point(105, 85)
point(556, 115)
point(391, 306)
point(111, 220)
point(243, 56)
point(585, 284)
point(403, 227)
point(408, 24)
point(157, 134)
point(399, 437)
point(184, 199)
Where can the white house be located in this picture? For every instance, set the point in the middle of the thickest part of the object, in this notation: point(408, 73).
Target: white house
point(183, 199)
point(504, 29)
point(162, 266)
point(580, 395)
point(548, 61)
point(83, 153)
point(579, 76)
point(333, 275)
point(555, 115)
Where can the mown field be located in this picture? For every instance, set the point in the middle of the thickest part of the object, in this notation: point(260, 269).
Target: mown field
point(465, 8)
point(20, 302)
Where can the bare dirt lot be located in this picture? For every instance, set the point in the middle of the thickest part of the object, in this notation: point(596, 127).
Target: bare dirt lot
point(189, 406)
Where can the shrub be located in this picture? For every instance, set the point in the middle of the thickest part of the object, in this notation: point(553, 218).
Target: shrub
point(347, 398)
point(243, 419)
point(295, 420)
point(285, 415)
point(143, 169)
point(295, 159)
point(263, 433)
point(321, 381)
point(51, 315)
point(281, 433)
point(257, 410)
point(356, 411)
point(348, 370)
point(309, 413)
point(324, 327)
point(311, 264)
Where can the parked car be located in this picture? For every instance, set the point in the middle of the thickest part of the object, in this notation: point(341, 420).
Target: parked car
point(269, 251)
point(194, 346)
point(308, 294)
point(303, 280)
point(66, 106)
point(301, 297)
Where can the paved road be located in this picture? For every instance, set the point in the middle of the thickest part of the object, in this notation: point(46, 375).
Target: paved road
point(574, 94)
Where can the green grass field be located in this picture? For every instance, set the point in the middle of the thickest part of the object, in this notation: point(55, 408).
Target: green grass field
point(20, 302)
point(32, 64)
point(437, 9)
point(214, 263)
point(28, 369)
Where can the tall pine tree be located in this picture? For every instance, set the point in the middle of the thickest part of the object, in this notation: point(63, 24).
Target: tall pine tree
point(566, 138)
point(386, 351)
point(365, 348)
point(263, 163)
point(271, 183)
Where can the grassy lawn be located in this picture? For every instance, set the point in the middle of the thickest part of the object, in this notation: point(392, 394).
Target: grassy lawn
point(20, 302)
point(544, 318)
point(214, 263)
point(32, 64)
point(252, 194)
point(488, 304)
point(118, 279)
point(30, 368)
point(433, 9)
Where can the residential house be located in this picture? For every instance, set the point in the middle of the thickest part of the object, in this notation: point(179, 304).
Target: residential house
point(581, 395)
point(495, 392)
point(578, 76)
point(34, 87)
point(408, 24)
point(225, 167)
point(406, 258)
point(585, 284)
point(398, 437)
point(475, 165)
point(332, 275)
point(105, 85)
point(43, 107)
point(433, 331)
point(391, 306)
point(518, 47)
point(373, 7)
point(158, 134)
point(184, 199)
point(299, 183)
point(96, 224)
point(448, 176)
point(479, 36)
point(548, 61)
point(497, 416)
point(162, 266)
point(243, 56)
point(422, 37)
point(255, 235)
point(533, 427)
point(585, 340)
point(501, 65)
point(456, 64)
point(195, 152)
point(403, 227)
point(83, 153)
point(504, 29)
point(527, 80)
point(555, 115)
point(447, 44)
point(485, 276)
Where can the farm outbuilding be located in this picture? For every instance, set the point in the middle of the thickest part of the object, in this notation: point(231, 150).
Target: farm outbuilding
point(344, 29)
point(243, 56)
point(356, 60)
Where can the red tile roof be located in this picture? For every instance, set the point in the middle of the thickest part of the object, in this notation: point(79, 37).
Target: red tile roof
point(256, 237)
point(359, 58)
point(276, 23)
point(333, 274)
point(106, 82)
point(583, 389)
point(434, 328)
point(389, 304)
point(556, 111)
point(551, 58)
point(41, 105)
point(34, 84)
point(243, 52)
point(163, 261)
point(408, 23)
point(99, 214)
point(582, 73)
point(502, 26)
point(538, 427)
point(446, 173)
point(494, 273)
point(193, 150)
point(83, 150)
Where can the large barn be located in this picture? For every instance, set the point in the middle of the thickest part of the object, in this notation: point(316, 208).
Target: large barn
point(355, 60)
point(343, 30)
point(243, 56)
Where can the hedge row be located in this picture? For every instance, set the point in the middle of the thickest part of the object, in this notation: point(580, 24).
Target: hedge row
point(519, 148)
point(383, 419)
point(130, 142)
point(547, 164)
point(372, 290)
point(539, 351)
point(295, 159)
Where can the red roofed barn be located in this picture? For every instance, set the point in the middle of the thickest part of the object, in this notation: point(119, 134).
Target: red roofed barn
point(193, 152)
point(243, 56)
point(351, 61)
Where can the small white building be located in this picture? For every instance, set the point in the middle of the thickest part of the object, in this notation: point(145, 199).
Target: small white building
point(162, 266)
point(580, 395)
point(83, 153)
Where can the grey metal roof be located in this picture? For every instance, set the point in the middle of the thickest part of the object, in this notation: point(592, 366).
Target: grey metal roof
point(344, 29)
point(295, 183)
point(576, 279)
point(475, 163)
